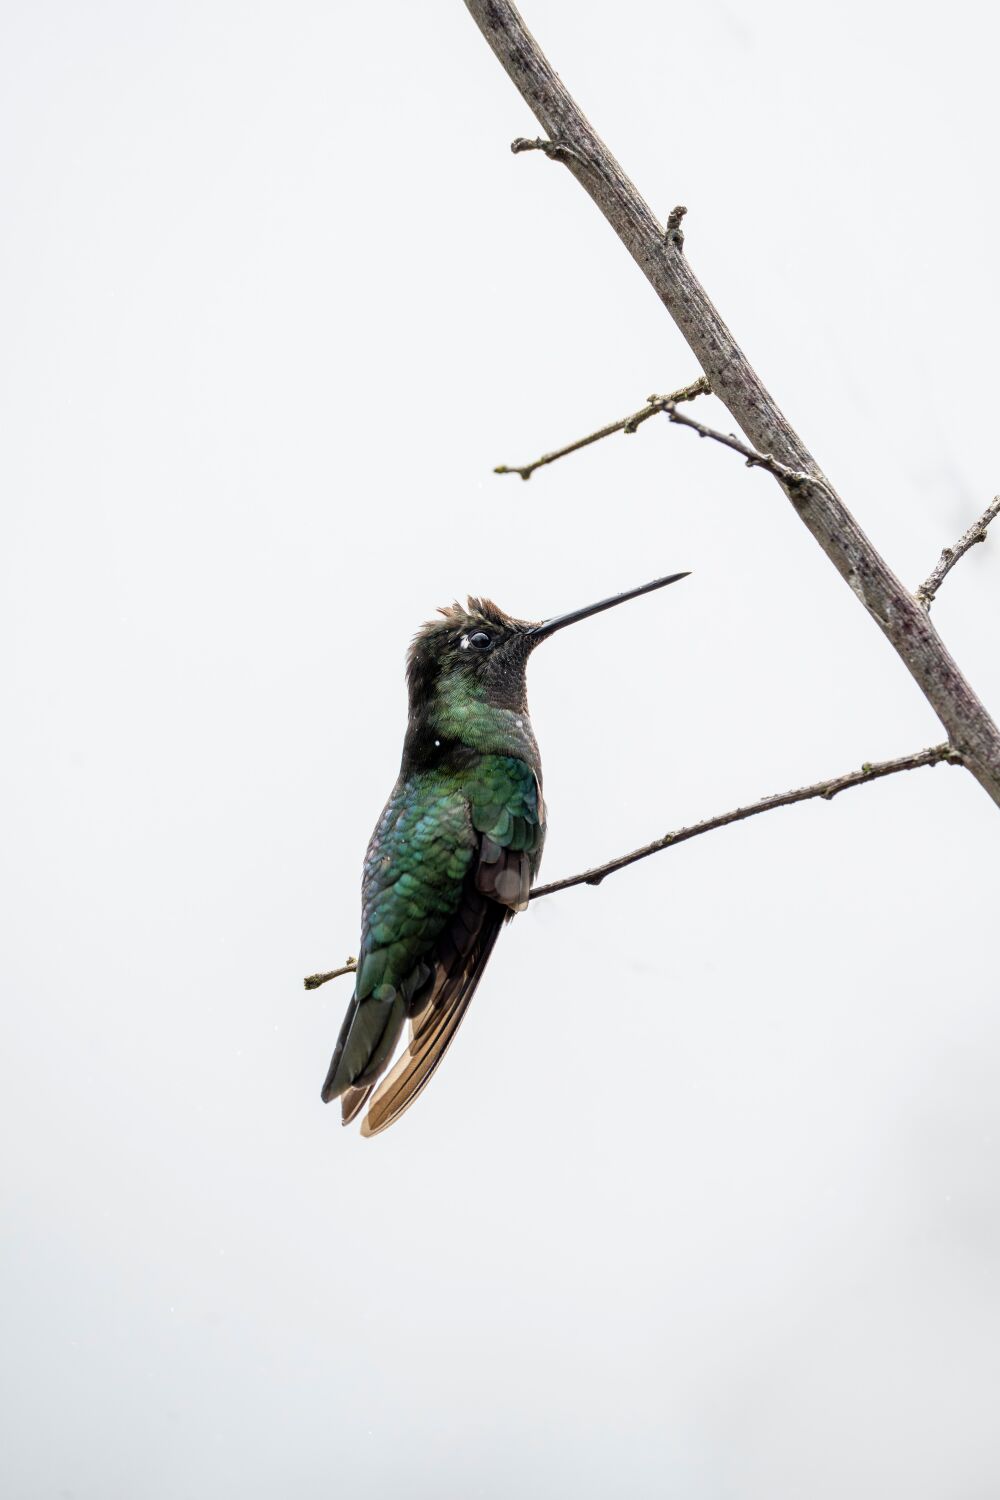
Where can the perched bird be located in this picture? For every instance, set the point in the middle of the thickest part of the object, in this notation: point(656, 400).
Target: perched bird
point(453, 855)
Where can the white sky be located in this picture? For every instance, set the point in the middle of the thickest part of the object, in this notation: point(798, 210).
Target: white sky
point(705, 1200)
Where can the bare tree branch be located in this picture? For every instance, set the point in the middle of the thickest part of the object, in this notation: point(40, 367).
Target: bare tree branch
point(675, 234)
point(656, 404)
point(951, 555)
point(792, 479)
point(870, 771)
point(554, 150)
point(313, 981)
point(661, 257)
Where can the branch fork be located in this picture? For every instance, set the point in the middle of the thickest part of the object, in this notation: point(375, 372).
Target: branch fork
point(628, 425)
point(554, 150)
point(899, 615)
point(773, 445)
point(927, 591)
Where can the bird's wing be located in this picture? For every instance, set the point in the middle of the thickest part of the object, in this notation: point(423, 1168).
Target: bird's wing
point(507, 816)
point(433, 1030)
point(415, 872)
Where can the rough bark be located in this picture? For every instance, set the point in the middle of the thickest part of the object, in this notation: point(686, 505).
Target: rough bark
point(660, 255)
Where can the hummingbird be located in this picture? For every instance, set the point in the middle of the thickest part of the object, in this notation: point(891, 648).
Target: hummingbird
point(454, 854)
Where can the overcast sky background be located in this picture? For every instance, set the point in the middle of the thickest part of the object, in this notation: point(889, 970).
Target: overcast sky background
point(705, 1201)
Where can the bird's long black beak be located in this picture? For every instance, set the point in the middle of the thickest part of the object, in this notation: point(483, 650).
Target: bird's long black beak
point(549, 627)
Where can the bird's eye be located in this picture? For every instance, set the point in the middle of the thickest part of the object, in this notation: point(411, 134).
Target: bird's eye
point(480, 640)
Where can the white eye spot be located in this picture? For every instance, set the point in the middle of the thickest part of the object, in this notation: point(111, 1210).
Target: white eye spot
point(464, 643)
point(437, 744)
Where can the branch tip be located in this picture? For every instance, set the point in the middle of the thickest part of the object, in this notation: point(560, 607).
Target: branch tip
point(675, 234)
point(313, 981)
point(927, 591)
point(629, 424)
point(555, 150)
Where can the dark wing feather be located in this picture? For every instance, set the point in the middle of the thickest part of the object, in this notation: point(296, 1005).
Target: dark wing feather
point(493, 892)
point(504, 875)
point(500, 813)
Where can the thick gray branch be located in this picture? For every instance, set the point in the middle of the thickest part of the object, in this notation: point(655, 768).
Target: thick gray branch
point(660, 255)
point(951, 555)
point(870, 771)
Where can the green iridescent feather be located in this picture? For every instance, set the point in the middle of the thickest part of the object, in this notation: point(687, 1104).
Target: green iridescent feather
point(454, 854)
point(419, 863)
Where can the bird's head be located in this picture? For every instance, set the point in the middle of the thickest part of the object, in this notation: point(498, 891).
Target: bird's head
point(473, 659)
point(474, 650)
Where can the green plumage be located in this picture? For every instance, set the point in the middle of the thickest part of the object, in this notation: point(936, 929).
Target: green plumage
point(453, 855)
point(420, 853)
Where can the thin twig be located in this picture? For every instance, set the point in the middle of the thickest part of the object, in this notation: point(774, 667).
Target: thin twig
point(675, 234)
point(554, 150)
point(791, 478)
point(891, 605)
point(656, 404)
point(951, 555)
point(313, 981)
point(870, 771)
point(826, 789)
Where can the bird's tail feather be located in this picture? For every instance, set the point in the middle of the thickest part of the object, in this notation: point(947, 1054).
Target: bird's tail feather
point(367, 1040)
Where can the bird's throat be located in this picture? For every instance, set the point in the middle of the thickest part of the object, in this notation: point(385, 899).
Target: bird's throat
point(456, 717)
